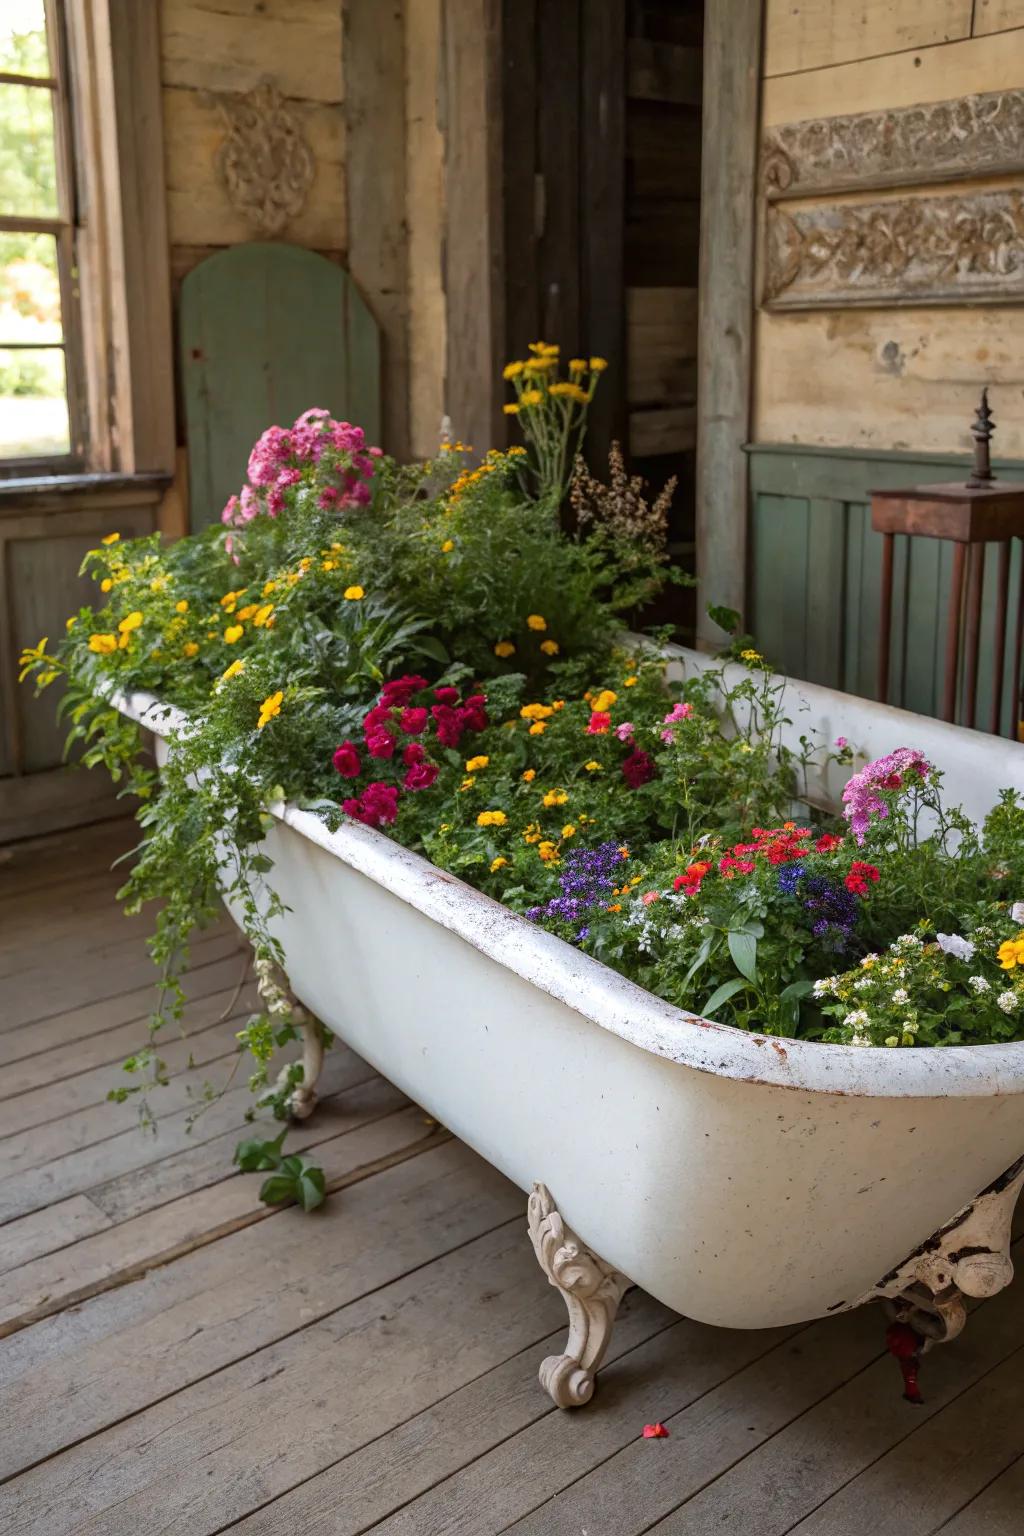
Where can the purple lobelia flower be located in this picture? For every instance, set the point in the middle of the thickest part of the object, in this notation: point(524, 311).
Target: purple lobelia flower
point(587, 879)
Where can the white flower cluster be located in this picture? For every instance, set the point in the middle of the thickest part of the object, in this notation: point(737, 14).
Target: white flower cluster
point(1008, 1001)
point(979, 984)
point(824, 986)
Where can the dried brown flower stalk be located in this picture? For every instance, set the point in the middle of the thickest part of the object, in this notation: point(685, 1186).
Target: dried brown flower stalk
point(620, 506)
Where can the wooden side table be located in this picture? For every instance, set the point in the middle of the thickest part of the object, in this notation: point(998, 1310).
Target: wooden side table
point(981, 510)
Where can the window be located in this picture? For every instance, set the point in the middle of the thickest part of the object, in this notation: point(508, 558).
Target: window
point(41, 395)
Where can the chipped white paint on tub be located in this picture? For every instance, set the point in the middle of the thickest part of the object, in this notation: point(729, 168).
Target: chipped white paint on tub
point(743, 1180)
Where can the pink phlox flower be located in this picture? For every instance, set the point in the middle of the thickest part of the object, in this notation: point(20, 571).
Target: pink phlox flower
point(625, 731)
point(861, 799)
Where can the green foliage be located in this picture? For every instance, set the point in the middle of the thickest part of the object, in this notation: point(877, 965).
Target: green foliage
point(293, 1180)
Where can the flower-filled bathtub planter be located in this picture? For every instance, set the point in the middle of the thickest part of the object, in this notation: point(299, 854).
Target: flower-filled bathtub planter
point(742, 1179)
point(633, 927)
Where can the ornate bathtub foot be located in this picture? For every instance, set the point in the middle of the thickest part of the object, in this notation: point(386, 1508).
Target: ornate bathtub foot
point(592, 1292)
point(303, 1096)
point(969, 1256)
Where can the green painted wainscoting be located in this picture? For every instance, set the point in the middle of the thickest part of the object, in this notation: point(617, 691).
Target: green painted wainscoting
point(815, 572)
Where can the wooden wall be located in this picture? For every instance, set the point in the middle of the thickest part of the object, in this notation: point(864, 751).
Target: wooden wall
point(889, 376)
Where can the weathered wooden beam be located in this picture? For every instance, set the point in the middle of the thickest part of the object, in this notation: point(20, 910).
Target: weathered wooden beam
point(732, 61)
point(373, 58)
point(471, 120)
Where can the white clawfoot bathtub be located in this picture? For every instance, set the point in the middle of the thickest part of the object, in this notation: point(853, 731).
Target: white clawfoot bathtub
point(744, 1180)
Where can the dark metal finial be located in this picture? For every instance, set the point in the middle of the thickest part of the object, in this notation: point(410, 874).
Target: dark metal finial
point(981, 430)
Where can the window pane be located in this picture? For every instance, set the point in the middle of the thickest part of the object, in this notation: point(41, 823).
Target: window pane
point(33, 403)
point(29, 289)
point(28, 165)
point(23, 38)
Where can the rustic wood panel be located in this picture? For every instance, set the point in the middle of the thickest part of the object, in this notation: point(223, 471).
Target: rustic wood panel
point(220, 44)
point(942, 73)
point(657, 71)
point(672, 429)
point(661, 344)
point(732, 60)
point(888, 379)
point(198, 209)
point(997, 15)
point(663, 152)
point(814, 33)
point(375, 168)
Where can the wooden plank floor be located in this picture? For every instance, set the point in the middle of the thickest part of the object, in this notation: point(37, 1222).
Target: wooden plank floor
point(176, 1359)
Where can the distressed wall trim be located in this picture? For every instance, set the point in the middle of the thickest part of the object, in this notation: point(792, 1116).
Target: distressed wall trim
point(952, 248)
point(901, 146)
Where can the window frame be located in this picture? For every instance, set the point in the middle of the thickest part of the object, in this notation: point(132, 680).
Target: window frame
point(65, 229)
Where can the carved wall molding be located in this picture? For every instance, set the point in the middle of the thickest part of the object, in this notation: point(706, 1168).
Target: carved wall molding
point(910, 250)
point(264, 162)
point(900, 146)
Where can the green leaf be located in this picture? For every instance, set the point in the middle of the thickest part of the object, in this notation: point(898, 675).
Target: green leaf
point(255, 1156)
point(426, 645)
point(701, 959)
point(721, 995)
point(743, 948)
point(295, 1180)
point(726, 618)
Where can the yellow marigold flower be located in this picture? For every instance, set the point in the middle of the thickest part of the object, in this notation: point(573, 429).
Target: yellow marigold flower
point(467, 784)
point(599, 364)
point(536, 621)
point(548, 852)
point(604, 701)
point(529, 774)
point(577, 365)
point(232, 633)
point(269, 708)
point(111, 538)
point(102, 645)
point(560, 388)
point(516, 448)
point(238, 665)
point(593, 766)
point(512, 409)
point(182, 606)
point(329, 565)
point(512, 370)
point(497, 864)
point(268, 587)
point(474, 764)
point(536, 347)
point(751, 655)
point(491, 819)
point(550, 647)
point(158, 584)
point(550, 348)
point(230, 599)
point(353, 594)
point(536, 712)
point(555, 797)
point(447, 546)
point(262, 615)
point(624, 851)
point(106, 584)
point(70, 623)
point(630, 682)
point(190, 648)
point(1011, 953)
point(557, 704)
point(305, 562)
point(532, 833)
point(132, 621)
point(568, 830)
point(530, 397)
point(538, 728)
point(616, 906)
point(246, 612)
point(504, 648)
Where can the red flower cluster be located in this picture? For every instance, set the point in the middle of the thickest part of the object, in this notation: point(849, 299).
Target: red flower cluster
point(393, 717)
point(638, 768)
point(779, 845)
point(858, 877)
point(690, 881)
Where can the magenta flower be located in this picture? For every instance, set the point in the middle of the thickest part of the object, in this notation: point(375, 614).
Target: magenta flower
point(861, 798)
point(625, 731)
point(346, 761)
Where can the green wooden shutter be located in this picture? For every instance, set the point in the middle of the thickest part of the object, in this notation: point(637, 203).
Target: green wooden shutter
point(268, 330)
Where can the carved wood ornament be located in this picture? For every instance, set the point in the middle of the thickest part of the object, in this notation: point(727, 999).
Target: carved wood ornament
point(897, 251)
point(939, 141)
point(264, 162)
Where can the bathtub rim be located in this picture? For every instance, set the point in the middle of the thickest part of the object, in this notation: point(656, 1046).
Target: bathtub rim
point(596, 992)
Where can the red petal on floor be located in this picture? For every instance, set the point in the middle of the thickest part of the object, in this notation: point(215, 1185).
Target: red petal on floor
point(655, 1432)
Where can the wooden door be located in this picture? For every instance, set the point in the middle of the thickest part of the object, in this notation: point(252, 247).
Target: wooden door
point(268, 330)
